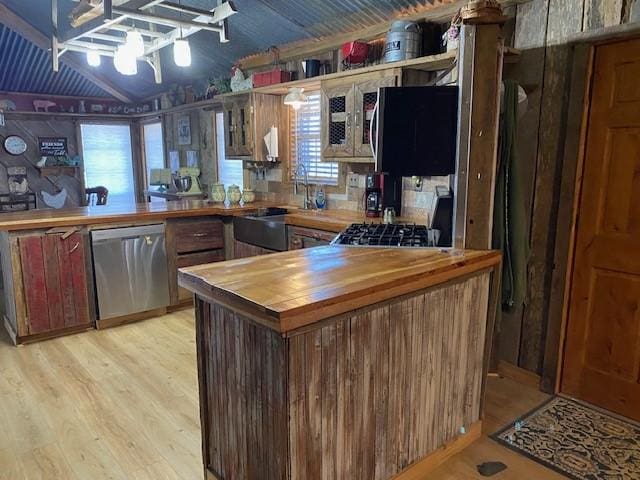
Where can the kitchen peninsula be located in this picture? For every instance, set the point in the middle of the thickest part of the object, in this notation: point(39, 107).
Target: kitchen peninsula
point(341, 362)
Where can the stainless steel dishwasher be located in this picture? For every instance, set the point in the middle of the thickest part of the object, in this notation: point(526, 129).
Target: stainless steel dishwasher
point(130, 266)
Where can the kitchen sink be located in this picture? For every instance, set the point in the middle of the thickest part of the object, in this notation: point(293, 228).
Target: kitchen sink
point(270, 212)
point(266, 229)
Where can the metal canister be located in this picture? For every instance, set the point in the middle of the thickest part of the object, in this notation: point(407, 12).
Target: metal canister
point(403, 41)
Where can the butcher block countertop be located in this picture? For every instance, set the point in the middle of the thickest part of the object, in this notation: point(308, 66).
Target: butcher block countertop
point(290, 290)
point(95, 215)
point(336, 220)
point(328, 220)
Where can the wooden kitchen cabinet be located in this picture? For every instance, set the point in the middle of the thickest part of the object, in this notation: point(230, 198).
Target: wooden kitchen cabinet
point(247, 119)
point(238, 126)
point(301, 237)
point(56, 292)
point(199, 234)
point(336, 115)
point(244, 250)
point(346, 114)
point(191, 241)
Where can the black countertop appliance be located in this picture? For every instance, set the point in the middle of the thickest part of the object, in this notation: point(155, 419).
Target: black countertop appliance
point(382, 191)
point(416, 131)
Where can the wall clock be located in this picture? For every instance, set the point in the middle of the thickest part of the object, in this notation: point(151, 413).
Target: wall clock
point(15, 145)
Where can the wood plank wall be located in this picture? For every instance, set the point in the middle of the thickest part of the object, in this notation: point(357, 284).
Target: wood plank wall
point(371, 394)
point(30, 129)
point(541, 29)
point(203, 141)
point(361, 396)
point(246, 438)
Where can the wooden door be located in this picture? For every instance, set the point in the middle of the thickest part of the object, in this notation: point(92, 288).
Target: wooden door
point(54, 271)
point(602, 350)
point(337, 121)
point(366, 96)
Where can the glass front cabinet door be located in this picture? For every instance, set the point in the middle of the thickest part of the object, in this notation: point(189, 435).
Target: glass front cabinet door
point(244, 136)
point(237, 127)
point(366, 96)
point(337, 119)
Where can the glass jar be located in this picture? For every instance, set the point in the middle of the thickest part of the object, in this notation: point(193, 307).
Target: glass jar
point(233, 194)
point(217, 193)
point(248, 195)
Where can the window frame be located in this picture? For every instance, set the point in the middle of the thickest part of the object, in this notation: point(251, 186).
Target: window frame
point(293, 161)
point(245, 174)
point(135, 153)
point(144, 180)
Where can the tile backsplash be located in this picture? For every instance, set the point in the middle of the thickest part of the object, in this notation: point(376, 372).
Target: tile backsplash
point(415, 204)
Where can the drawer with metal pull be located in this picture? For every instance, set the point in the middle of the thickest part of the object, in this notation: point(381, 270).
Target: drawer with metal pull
point(195, 235)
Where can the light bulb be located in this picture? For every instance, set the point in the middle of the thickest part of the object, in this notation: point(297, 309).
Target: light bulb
point(182, 52)
point(93, 58)
point(135, 42)
point(125, 60)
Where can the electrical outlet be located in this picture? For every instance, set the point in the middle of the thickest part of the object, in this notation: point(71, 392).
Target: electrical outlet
point(353, 180)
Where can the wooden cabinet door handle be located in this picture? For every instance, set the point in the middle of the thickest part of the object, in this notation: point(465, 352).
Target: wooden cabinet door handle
point(75, 247)
point(199, 234)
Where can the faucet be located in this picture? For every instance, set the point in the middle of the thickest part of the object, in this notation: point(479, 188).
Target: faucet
point(308, 204)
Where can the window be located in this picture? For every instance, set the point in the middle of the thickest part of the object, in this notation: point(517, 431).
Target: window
point(153, 151)
point(229, 171)
point(305, 143)
point(153, 146)
point(108, 161)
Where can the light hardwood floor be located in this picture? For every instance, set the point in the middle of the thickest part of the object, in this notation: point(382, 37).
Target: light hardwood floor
point(122, 404)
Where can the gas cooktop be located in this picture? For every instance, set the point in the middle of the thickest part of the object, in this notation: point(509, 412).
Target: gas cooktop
point(387, 235)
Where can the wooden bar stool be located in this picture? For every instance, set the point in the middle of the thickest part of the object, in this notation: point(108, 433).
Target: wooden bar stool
point(96, 195)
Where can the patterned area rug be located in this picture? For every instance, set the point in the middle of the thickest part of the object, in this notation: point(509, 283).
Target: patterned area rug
point(577, 441)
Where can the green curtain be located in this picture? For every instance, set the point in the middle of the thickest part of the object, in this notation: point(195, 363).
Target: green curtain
point(510, 233)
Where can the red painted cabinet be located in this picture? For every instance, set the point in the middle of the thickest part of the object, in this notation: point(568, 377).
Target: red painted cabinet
point(54, 274)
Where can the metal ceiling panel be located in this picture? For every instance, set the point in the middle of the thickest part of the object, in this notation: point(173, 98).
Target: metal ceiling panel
point(258, 25)
point(26, 68)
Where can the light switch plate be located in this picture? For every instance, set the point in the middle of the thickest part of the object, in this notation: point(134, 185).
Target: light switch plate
point(353, 180)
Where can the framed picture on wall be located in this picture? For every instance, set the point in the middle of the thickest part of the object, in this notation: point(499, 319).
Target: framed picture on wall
point(184, 131)
point(174, 160)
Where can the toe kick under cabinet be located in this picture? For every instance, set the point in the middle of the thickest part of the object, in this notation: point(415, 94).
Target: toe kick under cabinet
point(47, 283)
point(191, 241)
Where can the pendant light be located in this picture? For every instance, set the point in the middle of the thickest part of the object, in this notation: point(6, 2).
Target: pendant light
point(135, 42)
point(125, 60)
point(295, 98)
point(181, 48)
point(93, 57)
point(182, 52)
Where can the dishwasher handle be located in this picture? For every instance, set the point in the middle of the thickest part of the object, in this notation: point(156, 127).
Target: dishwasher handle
point(130, 233)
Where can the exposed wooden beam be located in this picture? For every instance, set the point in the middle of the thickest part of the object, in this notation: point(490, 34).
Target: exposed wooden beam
point(439, 11)
point(28, 31)
point(54, 35)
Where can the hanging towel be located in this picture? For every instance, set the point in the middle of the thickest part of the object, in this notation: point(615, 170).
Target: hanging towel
point(510, 233)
